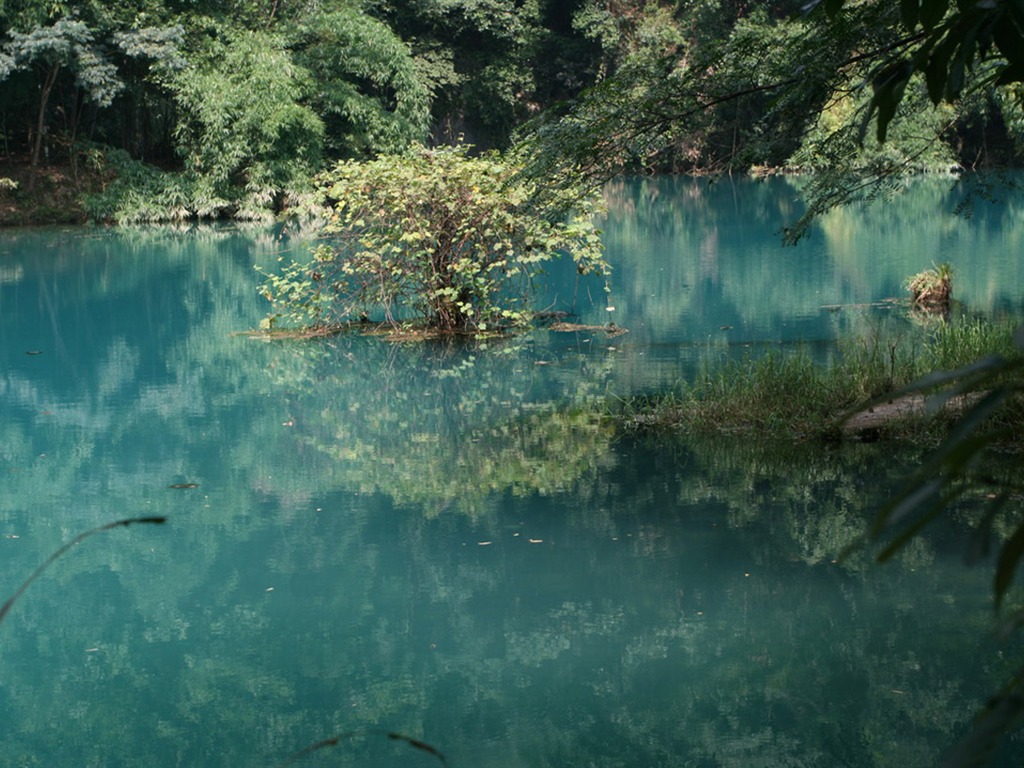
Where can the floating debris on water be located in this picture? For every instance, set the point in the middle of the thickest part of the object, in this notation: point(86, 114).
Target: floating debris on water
point(609, 328)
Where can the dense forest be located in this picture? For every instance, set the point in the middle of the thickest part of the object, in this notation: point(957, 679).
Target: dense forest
point(179, 109)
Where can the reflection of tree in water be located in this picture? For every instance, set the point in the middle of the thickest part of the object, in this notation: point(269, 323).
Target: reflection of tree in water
point(605, 623)
point(441, 425)
point(690, 256)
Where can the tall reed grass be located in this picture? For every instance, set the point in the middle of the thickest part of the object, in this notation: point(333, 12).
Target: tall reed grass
point(789, 395)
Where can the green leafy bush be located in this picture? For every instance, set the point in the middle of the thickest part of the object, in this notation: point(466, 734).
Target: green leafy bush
point(434, 236)
point(368, 93)
point(136, 193)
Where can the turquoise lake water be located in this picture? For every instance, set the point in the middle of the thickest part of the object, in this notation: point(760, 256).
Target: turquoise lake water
point(444, 542)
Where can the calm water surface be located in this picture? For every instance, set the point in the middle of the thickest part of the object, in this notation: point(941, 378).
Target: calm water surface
point(441, 542)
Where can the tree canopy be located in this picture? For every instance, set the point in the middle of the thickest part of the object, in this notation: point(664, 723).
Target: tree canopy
point(856, 92)
point(242, 103)
point(245, 101)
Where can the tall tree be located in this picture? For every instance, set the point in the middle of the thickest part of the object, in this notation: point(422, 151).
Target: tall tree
point(751, 96)
point(242, 124)
point(484, 58)
point(67, 44)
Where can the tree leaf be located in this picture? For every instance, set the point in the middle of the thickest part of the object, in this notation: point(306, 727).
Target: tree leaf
point(932, 12)
point(904, 507)
point(909, 13)
point(975, 415)
point(978, 547)
point(1011, 73)
point(936, 69)
point(1009, 559)
point(937, 505)
point(948, 467)
point(1001, 715)
point(889, 84)
point(962, 58)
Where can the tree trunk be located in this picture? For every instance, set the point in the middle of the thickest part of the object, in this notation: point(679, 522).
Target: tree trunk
point(44, 97)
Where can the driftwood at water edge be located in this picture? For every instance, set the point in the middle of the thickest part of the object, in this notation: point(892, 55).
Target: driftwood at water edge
point(907, 406)
point(883, 304)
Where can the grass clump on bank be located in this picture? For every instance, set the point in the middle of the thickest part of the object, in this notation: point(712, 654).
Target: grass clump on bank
point(790, 396)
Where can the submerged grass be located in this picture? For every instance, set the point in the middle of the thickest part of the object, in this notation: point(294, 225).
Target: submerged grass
point(790, 396)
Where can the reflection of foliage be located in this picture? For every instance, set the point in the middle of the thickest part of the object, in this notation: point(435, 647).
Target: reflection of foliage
point(9, 603)
point(439, 425)
point(815, 496)
point(713, 250)
point(542, 451)
point(722, 666)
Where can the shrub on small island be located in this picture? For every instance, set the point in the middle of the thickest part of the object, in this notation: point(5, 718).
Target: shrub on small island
point(433, 237)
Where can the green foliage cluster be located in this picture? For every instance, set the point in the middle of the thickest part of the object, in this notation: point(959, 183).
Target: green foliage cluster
point(437, 236)
point(370, 94)
point(245, 101)
point(136, 193)
point(797, 88)
point(239, 106)
point(240, 121)
point(947, 45)
point(248, 100)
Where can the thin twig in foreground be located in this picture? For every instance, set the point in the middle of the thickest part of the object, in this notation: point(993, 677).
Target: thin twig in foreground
point(335, 740)
point(49, 561)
